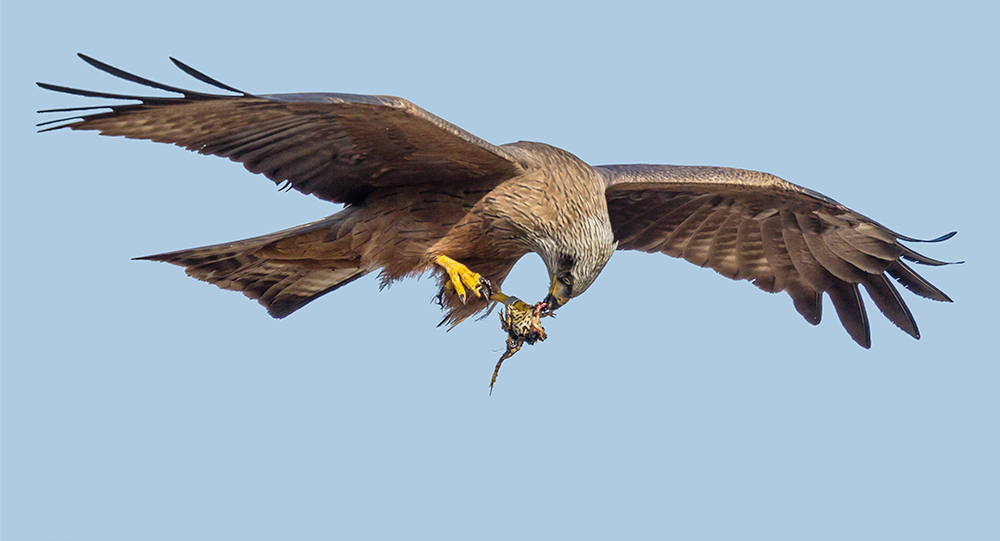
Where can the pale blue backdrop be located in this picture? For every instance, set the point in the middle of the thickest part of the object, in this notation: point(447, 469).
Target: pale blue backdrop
point(139, 404)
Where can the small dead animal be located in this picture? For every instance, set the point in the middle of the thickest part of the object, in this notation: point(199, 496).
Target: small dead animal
point(522, 323)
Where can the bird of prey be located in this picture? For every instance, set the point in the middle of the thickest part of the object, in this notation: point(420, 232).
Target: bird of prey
point(422, 195)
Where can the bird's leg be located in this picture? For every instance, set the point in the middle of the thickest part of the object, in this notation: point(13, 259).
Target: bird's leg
point(461, 277)
point(499, 296)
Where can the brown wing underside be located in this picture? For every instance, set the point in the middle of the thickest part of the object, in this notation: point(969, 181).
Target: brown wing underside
point(338, 147)
point(753, 226)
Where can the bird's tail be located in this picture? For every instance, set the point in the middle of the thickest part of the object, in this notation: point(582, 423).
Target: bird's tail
point(282, 271)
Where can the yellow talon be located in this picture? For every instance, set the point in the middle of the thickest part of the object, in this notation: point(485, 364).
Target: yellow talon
point(461, 276)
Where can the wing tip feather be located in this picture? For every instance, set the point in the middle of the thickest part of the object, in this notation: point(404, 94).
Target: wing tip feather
point(205, 78)
point(942, 238)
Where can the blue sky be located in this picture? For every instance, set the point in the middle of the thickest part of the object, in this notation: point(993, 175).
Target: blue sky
point(140, 404)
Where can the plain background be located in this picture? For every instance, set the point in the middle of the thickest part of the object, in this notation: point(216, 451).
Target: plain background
point(139, 404)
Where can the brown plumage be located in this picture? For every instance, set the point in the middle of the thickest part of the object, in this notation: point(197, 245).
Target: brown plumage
point(417, 187)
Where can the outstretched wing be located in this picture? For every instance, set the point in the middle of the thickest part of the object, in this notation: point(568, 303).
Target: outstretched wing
point(748, 225)
point(338, 147)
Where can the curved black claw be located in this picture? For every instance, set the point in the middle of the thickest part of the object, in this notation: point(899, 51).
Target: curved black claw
point(485, 288)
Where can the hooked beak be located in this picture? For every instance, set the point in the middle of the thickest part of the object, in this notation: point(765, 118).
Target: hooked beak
point(553, 300)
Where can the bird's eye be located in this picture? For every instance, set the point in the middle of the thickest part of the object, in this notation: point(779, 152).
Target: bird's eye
point(566, 279)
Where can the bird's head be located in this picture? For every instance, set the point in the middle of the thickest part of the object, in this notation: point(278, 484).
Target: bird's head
point(570, 276)
point(575, 254)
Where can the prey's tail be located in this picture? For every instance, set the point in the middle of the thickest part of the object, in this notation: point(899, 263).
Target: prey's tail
point(283, 271)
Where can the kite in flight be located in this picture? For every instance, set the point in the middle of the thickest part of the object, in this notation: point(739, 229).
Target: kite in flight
point(423, 195)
